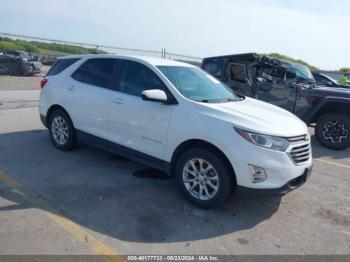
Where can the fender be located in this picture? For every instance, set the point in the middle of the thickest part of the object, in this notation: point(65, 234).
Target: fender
point(310, 116)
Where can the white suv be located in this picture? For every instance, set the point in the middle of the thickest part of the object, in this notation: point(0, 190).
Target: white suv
point(175, 117)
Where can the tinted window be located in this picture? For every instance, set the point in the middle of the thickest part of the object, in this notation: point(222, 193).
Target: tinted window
point(61, 65)
point(79, 73)
point(237, 72)
point(136, 78)
point(321, 80)
point(214, 67)
point(97, 72)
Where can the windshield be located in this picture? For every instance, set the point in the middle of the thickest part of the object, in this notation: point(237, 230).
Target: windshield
point(302, 72)
point(197, 85)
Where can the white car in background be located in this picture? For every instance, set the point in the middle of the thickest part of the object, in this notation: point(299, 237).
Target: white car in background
point(175, 117)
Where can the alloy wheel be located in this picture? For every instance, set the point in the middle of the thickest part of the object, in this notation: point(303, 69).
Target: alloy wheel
point(200, 179)
point(335, 131)
point(60, 132)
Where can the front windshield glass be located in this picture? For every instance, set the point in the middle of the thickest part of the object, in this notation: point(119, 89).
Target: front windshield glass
point(302, 72)
point(197, 85)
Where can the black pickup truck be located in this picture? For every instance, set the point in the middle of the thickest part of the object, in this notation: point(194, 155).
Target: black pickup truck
point(290, 86)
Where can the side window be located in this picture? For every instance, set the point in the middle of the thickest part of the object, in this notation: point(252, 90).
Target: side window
point(97, 72)
point(60, 65)
point(272, 73)
point(318, 79)
point(214, 68)
point(237, 72)
point(79, 73)
point(136, 78)
point(321, 80)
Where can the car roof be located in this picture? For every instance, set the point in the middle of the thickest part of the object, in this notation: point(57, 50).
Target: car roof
point(145, 59)
point(236, 56)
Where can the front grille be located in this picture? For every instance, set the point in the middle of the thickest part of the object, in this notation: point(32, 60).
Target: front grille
point(297, 139)
point(300, 153)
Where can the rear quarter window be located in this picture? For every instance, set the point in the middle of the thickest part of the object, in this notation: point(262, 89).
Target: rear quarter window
point(60, 65)
point(237, 72)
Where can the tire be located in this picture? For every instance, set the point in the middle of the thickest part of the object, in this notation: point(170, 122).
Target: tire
point(61, 131)
point(333, 131)
point(219, 176)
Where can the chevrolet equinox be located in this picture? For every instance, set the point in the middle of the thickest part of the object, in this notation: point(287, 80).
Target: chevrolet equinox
point(175, 117)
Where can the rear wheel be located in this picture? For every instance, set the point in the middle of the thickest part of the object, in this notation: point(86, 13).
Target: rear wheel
point(204, 178)
point(61, 130)
point(333, 131)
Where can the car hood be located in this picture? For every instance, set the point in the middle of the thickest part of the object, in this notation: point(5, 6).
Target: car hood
point(256, 116)
point(337, 91)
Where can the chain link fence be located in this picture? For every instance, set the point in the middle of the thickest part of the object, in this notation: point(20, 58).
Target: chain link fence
point(24, 60)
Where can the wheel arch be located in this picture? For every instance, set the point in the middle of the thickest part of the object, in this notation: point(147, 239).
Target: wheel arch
point(52, 109)
point(330, 105)
point(198, 143)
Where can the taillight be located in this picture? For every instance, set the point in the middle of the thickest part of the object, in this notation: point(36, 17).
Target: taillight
point(43, 83)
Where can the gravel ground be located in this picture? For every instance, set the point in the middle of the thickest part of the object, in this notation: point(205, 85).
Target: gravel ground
point(22, 82)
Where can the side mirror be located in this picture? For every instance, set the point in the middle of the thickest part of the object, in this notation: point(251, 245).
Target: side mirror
point(155, 95)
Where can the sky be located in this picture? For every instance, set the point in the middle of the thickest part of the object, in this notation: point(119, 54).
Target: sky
point(316, 31)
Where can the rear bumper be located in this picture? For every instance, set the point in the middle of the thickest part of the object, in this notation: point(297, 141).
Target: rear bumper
point(290, 186)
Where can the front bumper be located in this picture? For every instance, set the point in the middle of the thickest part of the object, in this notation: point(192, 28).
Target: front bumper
point(280, 169)
point(290, 186)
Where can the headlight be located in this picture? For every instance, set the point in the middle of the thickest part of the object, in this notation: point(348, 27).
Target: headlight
point(272, 142)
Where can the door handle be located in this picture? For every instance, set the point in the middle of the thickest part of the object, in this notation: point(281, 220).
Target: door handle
point(118, 101)
point(71, 88)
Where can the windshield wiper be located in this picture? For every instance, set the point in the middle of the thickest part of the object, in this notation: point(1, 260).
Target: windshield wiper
point(203, 100)
point(235, 99)
point(224, 100)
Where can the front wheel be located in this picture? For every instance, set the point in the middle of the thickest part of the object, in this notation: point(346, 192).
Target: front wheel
point(333, 131)
point(204, 178)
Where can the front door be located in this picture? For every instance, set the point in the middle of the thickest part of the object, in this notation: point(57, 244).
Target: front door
point(135, 123)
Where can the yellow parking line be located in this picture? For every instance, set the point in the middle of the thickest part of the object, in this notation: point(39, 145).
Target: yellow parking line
point(332, 163)
point(74, 229)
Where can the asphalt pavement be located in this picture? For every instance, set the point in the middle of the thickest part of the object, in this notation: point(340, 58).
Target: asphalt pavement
point(88, 201)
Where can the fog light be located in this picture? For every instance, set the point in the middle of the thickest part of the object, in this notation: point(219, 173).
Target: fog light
point(258, 174)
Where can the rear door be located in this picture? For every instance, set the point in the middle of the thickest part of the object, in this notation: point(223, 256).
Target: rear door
point(86, 95)
point(238, 78)
point(135, 123)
